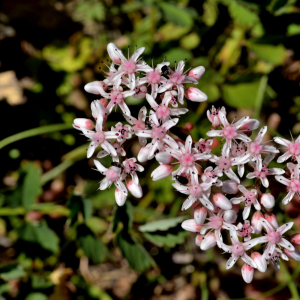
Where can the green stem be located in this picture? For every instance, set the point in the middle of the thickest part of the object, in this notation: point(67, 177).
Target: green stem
point(290, 283)
point(33, 132)
point(260, 96)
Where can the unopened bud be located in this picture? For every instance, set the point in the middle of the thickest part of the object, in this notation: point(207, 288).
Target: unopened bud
point(84, 123)
point(230, 187)
point(197, 73)
point(188, 126)
point(247, 273)
point(271, 218)
point(95, 87)
point(200, 214)
point(260, 261)
point(195, 94)
point(164, 157)
point(112, 50)
point(191, 225)
point(256, 222)
point(221, 201)
point(143, 154)
point(295, 239)
point(230, 216)
point(295, 255)
point(161, 172)
point(199, 239)
point(267, 200)
point(250, 125)
point(209, 241)
point(120, 197)
point(134, 189)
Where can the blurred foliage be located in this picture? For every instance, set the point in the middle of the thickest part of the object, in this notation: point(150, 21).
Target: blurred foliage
point(62, 239)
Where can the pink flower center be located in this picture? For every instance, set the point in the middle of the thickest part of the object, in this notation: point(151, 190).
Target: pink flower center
point(274, 237)
point(229, 132)
point(249, 198)
point(263, 173)
point(195, 191)
point(129, 66)
point(294, 148)
point(203, 147)
point(158, 133)
point(210, 174)
point(215, 222)
point(224, 163)
point(255, 148)
point(177, 78)
point(99, 137)
point(129, 167)
point(238, 249)
point(295, 185)
point(138, 125)
point(153, 77)
point(187, 159)
point(112, 175)
point(246, 230)
point(117, 97)
point(163, 112)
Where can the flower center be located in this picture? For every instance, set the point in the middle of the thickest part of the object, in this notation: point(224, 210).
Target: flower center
point(158, 133)
point(215, 222)
point(112, 175)
point(246, 230)
point(163, 112)
point(263, 173)
point(99, 137)
point(153, 77)
point(294, 148)
point(229, 132)
point(129, 167)
point(249, 198)
point(129, 66)
point(224, 163)
point(255, 148)
point(238, 249)
point(195, 191)
point(187, 159)
point(274, 237)
point(117, 97)
point(138, 125)
point(295, 185)
point(177, 78)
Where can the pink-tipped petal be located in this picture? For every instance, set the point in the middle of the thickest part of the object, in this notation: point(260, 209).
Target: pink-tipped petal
point(256, 222)
point(247, 273)
point(199, 239)
point(161, 172)
point(271, 218)
point(134, 189)
point(191, 225)
point(197, 73)
point(120, 197)
point(195, 95)
point(295, 255)
point(221, 201)
point(200, 214)
point(209, 241)
point(112, 50)
point(260, 261)
point(295, 239)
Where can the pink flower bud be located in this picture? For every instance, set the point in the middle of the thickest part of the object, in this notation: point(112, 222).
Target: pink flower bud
point(256, 222)
point(112, 50)
point(191, 225)
point(95, 87)
point(295, 255)
point(260, 261)
point(140, 91)
point(164, 157)
point(267, 200)
point(209, 241)
point(134, 189)
point(143, 154)
point(188, 126)
point(195, 94)
point(230, 187)
point(85, 123)
point(247, 273)
point(161, 172)
point(230, 216)
point(104, 101)
point(295, 239)
point(197, 73)
point(271, 218)
point(221, 201)
point(251, 124)
point(200, 214)
point(199, 239)
point(120, 197)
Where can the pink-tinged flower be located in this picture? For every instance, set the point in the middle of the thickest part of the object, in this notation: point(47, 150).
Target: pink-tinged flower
point(197, 72)
point(203, 146)
point(164, 157)
point(247, 273)
point(195, 95)
point(95, 87)
point(131, 66)
point(196, 192)
point(211, 176)
point(159, 135)
point(216, 223)
point(174, 98)
point(251, 124)
point(155, 78)
point(295, 255)
point(162, 171)
point(230, 216)
point(187, 157)
point(295, 239)
point(245, 230)
point(125, 132)
point(250, 197)
point(209, 241)
point(267, 200)
point(256, 221)
point(238, 249)
point(163, 111)
point(79, 123)
point(113, 176)
point(119, 149)
point(99, 138)
point(133, 188)
point(200, 214)
point(214, 117)
point(230, 187)
point(293, 149)
point(138, 124)
point(191, 225)
point(120, 197)
point(111, 49)
point(265, 171)
point(260, 261)
point(238, 150)
point(131, 167)
point(225, 164)
point(140, 91)
point(198, 240)
point(109, 75)
point(221, 201)
point(293, 185)
point(274, 237)
point(271, 218)
point(177, 79)
point(274, 258)
point(230, 132)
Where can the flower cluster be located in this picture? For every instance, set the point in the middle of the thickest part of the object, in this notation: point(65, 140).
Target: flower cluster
point(215, 191)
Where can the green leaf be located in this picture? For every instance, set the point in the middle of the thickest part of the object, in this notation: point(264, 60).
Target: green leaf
point(161, 224)
point(210, 12)
point(169, 240)
point(12, 271)
point(190, 41)
point(36, 296)
point(91, 245)
point(77, 204)
point(171, 31)
point(240, 95)
point(175, 14)
point(136, 255)
point(176, 54)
